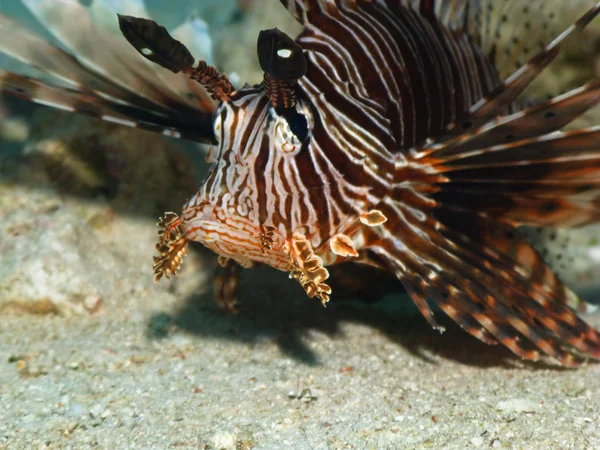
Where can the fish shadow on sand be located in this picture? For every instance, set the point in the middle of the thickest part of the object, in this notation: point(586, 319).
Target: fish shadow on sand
point(273, 308)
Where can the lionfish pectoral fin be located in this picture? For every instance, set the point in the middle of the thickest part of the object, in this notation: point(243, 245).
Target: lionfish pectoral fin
point(488, 279)
point(547, 181)
point(94, 84)
point(94, 46)
point(307, 268)
point(519, 168)
point(172, 246)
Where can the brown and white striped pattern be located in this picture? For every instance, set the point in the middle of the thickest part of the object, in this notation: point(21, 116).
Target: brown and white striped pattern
point(418, 161)
point(396, 101)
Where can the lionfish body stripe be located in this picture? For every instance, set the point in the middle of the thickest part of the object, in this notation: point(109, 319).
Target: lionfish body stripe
point(389, 133)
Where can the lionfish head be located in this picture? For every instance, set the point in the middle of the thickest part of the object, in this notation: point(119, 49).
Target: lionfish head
point(246, 209)
point(258, 132)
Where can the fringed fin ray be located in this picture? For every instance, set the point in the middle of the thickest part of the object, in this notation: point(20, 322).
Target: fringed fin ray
point(519, 168)
point(89, 104)
point(538, 120)
point(456, 211)
point(104, 53)
point(30, 49)
point(119, 86)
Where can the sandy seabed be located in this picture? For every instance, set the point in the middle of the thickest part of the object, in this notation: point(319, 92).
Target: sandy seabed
point(285, 373)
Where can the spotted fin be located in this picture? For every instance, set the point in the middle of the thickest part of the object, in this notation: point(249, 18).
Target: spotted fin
point(519, 168)
point(503, 96)
point(508, 32)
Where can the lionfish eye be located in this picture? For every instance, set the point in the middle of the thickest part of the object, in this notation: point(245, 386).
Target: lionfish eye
point(291, 132)
point(298, 125)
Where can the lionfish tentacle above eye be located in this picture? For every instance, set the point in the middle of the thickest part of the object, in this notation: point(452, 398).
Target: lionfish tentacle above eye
point(283, 63)
point(154, 43)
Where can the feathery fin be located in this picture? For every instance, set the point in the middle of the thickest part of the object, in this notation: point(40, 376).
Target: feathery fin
point(89, 104)
point(488, 279)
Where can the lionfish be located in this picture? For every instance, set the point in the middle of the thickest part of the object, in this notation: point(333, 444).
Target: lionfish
point(381, 135)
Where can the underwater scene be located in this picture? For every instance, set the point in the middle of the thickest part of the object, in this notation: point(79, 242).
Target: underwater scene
point(305, 224)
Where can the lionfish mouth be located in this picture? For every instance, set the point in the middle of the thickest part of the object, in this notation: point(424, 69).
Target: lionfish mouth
point(234, 237)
